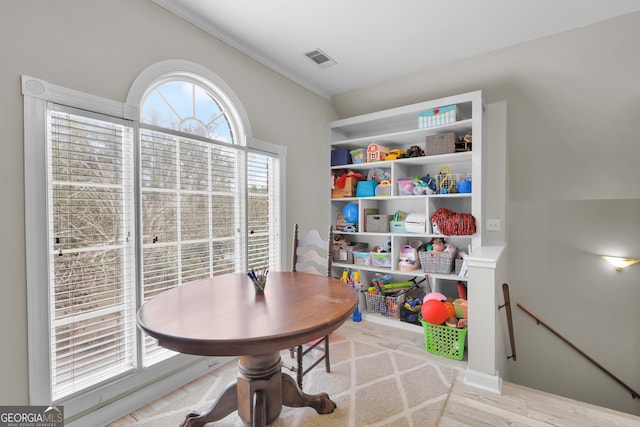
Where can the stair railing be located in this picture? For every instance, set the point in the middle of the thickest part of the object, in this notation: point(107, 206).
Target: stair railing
point(634, 393)
point(507, 306)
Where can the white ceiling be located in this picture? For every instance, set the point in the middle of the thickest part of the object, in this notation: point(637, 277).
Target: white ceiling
point(376, 40)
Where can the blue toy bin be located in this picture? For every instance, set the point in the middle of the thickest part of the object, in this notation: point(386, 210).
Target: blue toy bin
point(340, 156)
point(366, 188)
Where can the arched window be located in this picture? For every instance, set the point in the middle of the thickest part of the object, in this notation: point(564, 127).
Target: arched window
point(187, 107)
point(126, 200)
point(195, 185)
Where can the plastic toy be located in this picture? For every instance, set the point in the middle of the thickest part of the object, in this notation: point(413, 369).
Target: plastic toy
point(409, 259)
point(350, 213)
point(413, 304)
point(396, 153)
point(460, 306)
point(434, 295)
point(434, 311)
point(450, 309)
point(413, 151)
point(376, 152)
point(423, 185)
point(378, 174)
point(383, 188)
point(349, 228)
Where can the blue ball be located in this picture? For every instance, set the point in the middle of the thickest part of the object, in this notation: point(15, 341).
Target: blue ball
point(350, 212)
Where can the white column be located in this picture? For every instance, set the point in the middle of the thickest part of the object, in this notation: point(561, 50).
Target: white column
point(482, 300)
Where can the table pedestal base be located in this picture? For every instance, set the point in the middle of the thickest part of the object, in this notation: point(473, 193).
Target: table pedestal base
point(259, 393)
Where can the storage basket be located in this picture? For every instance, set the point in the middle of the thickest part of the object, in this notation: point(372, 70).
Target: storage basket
point(441, 144)
point(444, 340)
point(447, 183)
point(409, 316)
point(361, 258)
point(386, 305)
point(412, 315)
point(397, 227)
point(380, 259)
point(437, 262)
point(344, 253)
point(378, 223)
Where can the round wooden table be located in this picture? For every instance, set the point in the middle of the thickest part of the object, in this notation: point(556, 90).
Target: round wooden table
point(224, 316)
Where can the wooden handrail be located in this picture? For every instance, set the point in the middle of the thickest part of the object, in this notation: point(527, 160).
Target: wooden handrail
point(634, 393)
point(507, 305)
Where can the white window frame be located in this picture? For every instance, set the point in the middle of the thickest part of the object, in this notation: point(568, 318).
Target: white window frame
point(89, 408)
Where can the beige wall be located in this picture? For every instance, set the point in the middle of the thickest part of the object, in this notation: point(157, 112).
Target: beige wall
point(573, 146)
point(99, 47)
point(573, 103)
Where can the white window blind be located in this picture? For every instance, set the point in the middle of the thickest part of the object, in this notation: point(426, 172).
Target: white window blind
point(92, 303)
point(263, 184)
point(113, 217)
point(192, 213)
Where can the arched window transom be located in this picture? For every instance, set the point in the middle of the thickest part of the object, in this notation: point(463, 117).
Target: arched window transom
point(187, 107)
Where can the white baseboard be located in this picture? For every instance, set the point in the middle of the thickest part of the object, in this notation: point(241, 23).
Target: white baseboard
point(491, 383)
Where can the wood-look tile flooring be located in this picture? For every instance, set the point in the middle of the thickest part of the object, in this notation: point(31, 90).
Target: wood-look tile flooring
point(461, 406)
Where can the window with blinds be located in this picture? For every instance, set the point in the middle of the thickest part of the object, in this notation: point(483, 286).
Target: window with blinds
point(263, 186)
point(91, 228)
point(129, 214)
point(192, 204)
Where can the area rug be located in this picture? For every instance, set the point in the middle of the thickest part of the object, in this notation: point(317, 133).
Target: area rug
point(379, 377)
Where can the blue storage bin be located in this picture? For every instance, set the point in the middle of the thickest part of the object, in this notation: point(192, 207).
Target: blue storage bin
point(366, 188)
point(340, 156)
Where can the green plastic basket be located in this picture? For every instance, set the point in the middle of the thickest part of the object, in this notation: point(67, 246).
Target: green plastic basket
point(444, 340)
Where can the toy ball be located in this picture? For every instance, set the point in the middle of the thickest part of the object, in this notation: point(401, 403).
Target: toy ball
point(435, 312)
point(434, 295)
point(350, 212)
point(450, 308)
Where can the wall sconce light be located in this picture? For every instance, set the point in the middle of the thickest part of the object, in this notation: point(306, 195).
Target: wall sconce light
point(620, 263)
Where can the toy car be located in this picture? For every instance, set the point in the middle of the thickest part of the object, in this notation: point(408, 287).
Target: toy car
point(349, 228)
point(395, 154)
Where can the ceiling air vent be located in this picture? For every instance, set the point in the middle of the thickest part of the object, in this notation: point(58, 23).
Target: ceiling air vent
point(320, 58)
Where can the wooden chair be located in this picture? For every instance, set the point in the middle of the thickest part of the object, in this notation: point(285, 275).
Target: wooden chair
point(311, 254)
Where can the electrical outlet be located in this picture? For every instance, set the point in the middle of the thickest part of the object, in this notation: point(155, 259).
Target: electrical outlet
point(493, 225)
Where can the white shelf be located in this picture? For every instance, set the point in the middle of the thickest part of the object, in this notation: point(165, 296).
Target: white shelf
point(403, 138)
point(416, 273)
point(398, 128)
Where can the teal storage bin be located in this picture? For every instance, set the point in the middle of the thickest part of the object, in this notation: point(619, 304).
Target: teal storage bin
point(366, 188)
point(397, 227)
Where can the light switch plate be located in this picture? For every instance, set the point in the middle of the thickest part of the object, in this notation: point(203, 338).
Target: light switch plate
point(493, 225)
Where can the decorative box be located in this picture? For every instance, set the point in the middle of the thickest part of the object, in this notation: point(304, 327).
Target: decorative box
point(441, 144)
point(340, 156)
point(438, 116)
point(349, 189)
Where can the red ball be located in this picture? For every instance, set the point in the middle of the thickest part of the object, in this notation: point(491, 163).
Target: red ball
point(434, 311)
